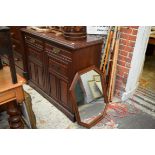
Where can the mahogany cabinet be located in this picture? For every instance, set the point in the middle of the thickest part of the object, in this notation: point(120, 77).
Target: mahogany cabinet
point(52, 61)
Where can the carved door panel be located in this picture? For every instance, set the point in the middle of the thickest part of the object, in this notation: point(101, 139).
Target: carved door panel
point(53, 86)
point(36, 73)
point(64, 94)
point(58, 89)
point(32, 71)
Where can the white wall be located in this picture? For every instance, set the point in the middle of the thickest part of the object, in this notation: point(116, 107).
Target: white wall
point(137, 61)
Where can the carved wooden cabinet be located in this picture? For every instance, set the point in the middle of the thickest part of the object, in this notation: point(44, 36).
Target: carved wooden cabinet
point(52, 61)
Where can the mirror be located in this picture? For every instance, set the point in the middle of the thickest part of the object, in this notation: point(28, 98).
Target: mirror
point(89, 97)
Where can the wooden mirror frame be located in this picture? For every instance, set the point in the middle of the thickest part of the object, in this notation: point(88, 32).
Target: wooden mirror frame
point(73, 97)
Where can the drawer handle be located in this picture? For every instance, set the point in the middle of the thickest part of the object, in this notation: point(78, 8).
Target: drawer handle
point(56, 50)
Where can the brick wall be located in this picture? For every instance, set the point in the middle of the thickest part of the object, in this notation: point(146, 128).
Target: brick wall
point(126, 47)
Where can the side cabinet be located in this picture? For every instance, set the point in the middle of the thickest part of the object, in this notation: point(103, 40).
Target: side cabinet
point(35, 55)
point(52, 62)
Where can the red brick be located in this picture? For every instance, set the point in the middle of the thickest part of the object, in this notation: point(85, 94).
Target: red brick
point(121, 57)
point(124, 53)
point(131, 37)
point(124, 36)
point(125, 70)
point(128, 60)
point(121, 88)
point(117, 85)
point(120, 73)
point(126, 48)
point(124, 81)
point(126, 30)
point(122, 63)
point(126, 75)
point(119, 77)
point(129, 49)
point(122, 47)
point(118, 93)
point(120, 81)
point(121, 70)
point(124, 41)
point(134, 32)
point(130, 55)
point(128, 65)
point(131, 43)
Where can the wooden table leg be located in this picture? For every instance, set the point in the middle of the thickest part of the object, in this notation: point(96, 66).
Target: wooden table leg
point(14, 119)
point(12, 68)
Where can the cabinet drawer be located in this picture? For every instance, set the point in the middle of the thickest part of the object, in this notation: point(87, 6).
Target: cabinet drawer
point(35, 54)
point(58, 68)
point(58, 53)
point(6, 96)
point(33, 42)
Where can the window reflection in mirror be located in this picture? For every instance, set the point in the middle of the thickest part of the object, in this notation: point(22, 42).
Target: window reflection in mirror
point(89, 96)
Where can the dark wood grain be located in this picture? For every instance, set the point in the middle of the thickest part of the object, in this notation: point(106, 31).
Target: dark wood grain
point(53, 61)
point(61, 41)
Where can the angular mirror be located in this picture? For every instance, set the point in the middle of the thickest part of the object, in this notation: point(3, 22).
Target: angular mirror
point(88, 93)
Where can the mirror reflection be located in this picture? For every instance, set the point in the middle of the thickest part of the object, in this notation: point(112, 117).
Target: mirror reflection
point(89, 96)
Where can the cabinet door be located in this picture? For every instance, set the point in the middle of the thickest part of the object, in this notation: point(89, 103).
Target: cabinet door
point(36, 74)
point(53, 89)
point(63, 86)
point(58, 89)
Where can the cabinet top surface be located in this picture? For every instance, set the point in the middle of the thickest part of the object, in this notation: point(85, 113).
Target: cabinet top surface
point(89, 41)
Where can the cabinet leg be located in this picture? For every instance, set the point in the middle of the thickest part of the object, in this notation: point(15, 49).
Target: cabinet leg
point(14, 119)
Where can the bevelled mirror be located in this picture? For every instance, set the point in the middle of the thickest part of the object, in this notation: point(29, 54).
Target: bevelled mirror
point(88, 94)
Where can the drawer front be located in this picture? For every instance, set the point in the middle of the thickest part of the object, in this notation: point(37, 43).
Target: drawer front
point(34, 43)
point(4, 97)
point(35, 54)
point(58, 53)
point(59, 68)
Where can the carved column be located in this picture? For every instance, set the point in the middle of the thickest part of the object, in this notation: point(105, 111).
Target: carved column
point(14, 119)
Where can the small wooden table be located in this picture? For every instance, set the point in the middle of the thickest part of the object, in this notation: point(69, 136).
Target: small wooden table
point(11, 94)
